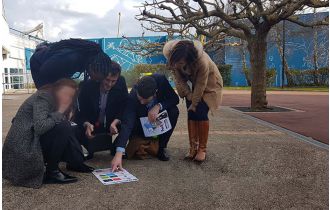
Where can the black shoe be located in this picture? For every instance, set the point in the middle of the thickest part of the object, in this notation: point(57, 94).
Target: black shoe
point(57, 177)
point(163, 155)
point(89, 156)
point(83, 168)
point(67, 175)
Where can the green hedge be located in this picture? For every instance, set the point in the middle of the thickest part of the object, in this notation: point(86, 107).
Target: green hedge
point(270, 76)
point(318, 77)
point(225, 71)
point(139, 70)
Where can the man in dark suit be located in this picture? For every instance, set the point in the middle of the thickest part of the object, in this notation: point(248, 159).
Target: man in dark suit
point(101, 106)
point(151, 95)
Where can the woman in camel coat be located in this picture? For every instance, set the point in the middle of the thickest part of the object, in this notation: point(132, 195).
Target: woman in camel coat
point(197, 79)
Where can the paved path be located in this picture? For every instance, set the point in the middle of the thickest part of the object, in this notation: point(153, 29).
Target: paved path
point(249, 166)
point(311, 121)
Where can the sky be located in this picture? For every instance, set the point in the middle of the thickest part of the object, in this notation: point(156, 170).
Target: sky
point(64, 19)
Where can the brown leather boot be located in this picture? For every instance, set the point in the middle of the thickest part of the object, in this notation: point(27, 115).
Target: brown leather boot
point(203, 133)
point(193, 139)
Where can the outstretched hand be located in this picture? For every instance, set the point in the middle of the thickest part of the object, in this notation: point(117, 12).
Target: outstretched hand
point(116, 163)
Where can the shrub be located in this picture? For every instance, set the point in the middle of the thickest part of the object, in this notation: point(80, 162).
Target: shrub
point(270, 76)
point(318, 77)
point(225, 71)
point(139, 70)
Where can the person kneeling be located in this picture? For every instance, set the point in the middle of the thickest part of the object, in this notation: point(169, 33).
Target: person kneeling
point(41, 135)
point(151, 95)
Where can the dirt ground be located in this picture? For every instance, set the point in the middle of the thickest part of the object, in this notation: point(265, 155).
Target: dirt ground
point(249, 166)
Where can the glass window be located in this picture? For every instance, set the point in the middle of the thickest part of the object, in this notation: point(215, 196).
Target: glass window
point(6, 70)
point(13, 71)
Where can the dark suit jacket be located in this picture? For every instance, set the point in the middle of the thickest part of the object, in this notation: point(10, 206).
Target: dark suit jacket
point(89, 98)
point(134, 109)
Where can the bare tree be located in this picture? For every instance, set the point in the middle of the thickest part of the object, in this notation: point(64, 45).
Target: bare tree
point(145, 47)
point(249, 20)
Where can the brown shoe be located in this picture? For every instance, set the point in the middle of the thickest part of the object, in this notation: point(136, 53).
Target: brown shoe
point(193, 139)
point(203, 134)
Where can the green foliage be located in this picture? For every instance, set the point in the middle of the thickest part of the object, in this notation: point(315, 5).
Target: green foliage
point(270, 76)
point(225, 71)
point(139, 70)
point(318, 77)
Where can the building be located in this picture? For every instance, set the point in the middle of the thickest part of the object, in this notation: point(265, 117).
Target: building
point(17, 48)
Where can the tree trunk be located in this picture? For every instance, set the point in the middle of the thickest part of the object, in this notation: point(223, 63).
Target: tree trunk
point(245, 68)
point(257, 46)
point(279, 43)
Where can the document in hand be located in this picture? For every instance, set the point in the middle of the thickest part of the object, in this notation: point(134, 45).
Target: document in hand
point(107, 177)
point(160, 126)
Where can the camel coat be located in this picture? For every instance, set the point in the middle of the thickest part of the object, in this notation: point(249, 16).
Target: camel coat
point(204, 76)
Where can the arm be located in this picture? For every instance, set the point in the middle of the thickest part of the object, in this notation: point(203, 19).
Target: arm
point(123, 98)
point(202, 75)
point(181, 85)
point(128, 120)
point(170, 97)
point(82, 103)
point(43, 118)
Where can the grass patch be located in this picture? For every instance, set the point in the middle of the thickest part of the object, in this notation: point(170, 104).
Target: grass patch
point(313, 89)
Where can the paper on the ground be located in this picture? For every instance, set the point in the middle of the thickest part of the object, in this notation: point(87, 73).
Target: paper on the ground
point(161, 125)
point(107, 177)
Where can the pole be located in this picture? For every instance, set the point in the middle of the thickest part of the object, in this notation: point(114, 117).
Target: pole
point(283, 53)
point(118, 24)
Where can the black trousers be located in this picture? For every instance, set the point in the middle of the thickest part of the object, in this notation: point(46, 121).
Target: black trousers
point(173, 114)
point(60, 144)
point(101, 142)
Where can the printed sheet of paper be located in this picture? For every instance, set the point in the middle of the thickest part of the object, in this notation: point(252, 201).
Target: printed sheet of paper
point(107, 177)
point(161, 125)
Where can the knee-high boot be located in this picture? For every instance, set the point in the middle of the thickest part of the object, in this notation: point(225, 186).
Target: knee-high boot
point(193, 139)
point(203, 134)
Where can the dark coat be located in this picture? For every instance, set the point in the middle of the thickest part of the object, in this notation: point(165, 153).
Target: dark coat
point(49, 65)
point(22, 160)
point(89, 97)
point(134, 109)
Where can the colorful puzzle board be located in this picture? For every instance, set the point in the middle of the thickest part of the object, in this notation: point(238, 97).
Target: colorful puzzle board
point(107, 177)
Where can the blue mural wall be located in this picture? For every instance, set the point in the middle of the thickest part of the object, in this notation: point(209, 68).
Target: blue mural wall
point(299, 50)
point(28, 54)
point(126, 58)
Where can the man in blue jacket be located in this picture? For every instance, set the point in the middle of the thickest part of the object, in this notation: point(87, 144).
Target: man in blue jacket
point(151, 95)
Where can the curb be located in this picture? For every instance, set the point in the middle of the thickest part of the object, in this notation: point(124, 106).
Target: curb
point(298, 136)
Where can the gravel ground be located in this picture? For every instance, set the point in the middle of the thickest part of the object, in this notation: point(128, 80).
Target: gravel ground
point(249, 166)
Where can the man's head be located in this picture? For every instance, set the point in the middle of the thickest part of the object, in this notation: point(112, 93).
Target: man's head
point(99, 67)
point(113, 75)
point(146, 89)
